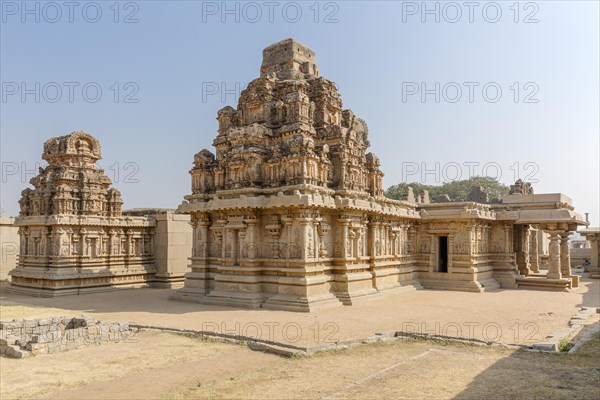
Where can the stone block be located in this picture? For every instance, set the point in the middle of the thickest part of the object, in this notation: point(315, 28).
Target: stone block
point(8, 340)
point(4, 325)
point(30, 324)
point(16, 352)
point(43, 338)
point(43, 350)
point(545, 346)
point(35, 346)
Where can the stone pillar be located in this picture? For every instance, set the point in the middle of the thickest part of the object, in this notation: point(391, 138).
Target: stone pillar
point(352, 239)
point(129, 240)
point(152, 232)
point(251, 223)
point(565, 254)
point(143, 240)
point(195, 232)
point(224, 241)
point(554, 258)
point(594, 266)
point(113, 241)
point(101, 240)
point(372, 226)
point(507, 240)
point(534, 256)
point(593, 236)
point(303, 241)
point(83, 243)
point(402, 250)
point(59, 236)
point(344, 250)
point(43, 242)
point(522, 250)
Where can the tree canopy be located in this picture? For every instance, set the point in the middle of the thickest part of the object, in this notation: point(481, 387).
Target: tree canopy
point(456, 190)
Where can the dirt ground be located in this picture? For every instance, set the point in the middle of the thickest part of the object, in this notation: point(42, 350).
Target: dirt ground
point(158, 365)
point(148, 363)
point(506, 316)
point(167, 366)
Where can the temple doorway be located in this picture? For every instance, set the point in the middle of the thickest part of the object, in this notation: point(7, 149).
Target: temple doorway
point(443, 254)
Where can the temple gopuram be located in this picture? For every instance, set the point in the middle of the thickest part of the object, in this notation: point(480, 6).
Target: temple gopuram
point(74, 238)
point(289, 213)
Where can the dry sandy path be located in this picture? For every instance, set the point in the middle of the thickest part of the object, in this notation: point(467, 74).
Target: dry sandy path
point(150, 364)
point(161, 382)
point(508, 316)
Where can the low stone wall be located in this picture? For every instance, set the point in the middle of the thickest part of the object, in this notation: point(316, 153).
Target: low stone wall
point(24, 338)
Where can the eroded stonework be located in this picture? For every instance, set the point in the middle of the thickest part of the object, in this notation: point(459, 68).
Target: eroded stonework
point(73, 235)
point(289, 212)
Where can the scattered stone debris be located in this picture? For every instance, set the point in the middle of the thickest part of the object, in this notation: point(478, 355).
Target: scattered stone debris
point(27, 337)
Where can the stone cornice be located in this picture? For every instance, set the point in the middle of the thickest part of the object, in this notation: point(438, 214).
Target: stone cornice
point(81, 220)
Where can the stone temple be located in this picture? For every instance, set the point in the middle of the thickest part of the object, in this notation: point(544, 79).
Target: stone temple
point(287, 213)
point(74, 237)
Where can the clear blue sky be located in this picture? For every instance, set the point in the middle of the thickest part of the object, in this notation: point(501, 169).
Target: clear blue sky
point(177, 53)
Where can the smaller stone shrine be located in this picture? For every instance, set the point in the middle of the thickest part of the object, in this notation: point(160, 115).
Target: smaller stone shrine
point(73, 235)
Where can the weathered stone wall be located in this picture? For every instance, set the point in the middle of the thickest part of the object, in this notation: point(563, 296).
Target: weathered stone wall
point(73, 236)
point(24, 338)
point(172, 249)
point(9, 246)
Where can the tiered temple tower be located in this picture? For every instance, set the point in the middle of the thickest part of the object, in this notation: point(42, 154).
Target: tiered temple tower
point(280, 211)
point(289, 212)
point(289, 130)
point(71, 183)
point(73, 235)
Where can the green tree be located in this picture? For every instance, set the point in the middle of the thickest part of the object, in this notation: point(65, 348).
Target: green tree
point(456, 190)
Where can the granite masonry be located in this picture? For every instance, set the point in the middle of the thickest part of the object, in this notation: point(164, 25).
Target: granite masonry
point(289, 212)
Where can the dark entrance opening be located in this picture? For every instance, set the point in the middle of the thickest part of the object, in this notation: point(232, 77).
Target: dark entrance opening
point(443, 254)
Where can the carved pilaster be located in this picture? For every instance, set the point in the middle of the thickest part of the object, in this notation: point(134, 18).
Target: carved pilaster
point(565, 254)
point(534, 256)
point(554, 271)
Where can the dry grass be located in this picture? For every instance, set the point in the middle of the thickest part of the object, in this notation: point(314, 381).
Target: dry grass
point(174, 367)
point(42, 376)
point(416, 369)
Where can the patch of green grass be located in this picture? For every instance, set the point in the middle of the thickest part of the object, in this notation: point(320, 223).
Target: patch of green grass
point(564, 345)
